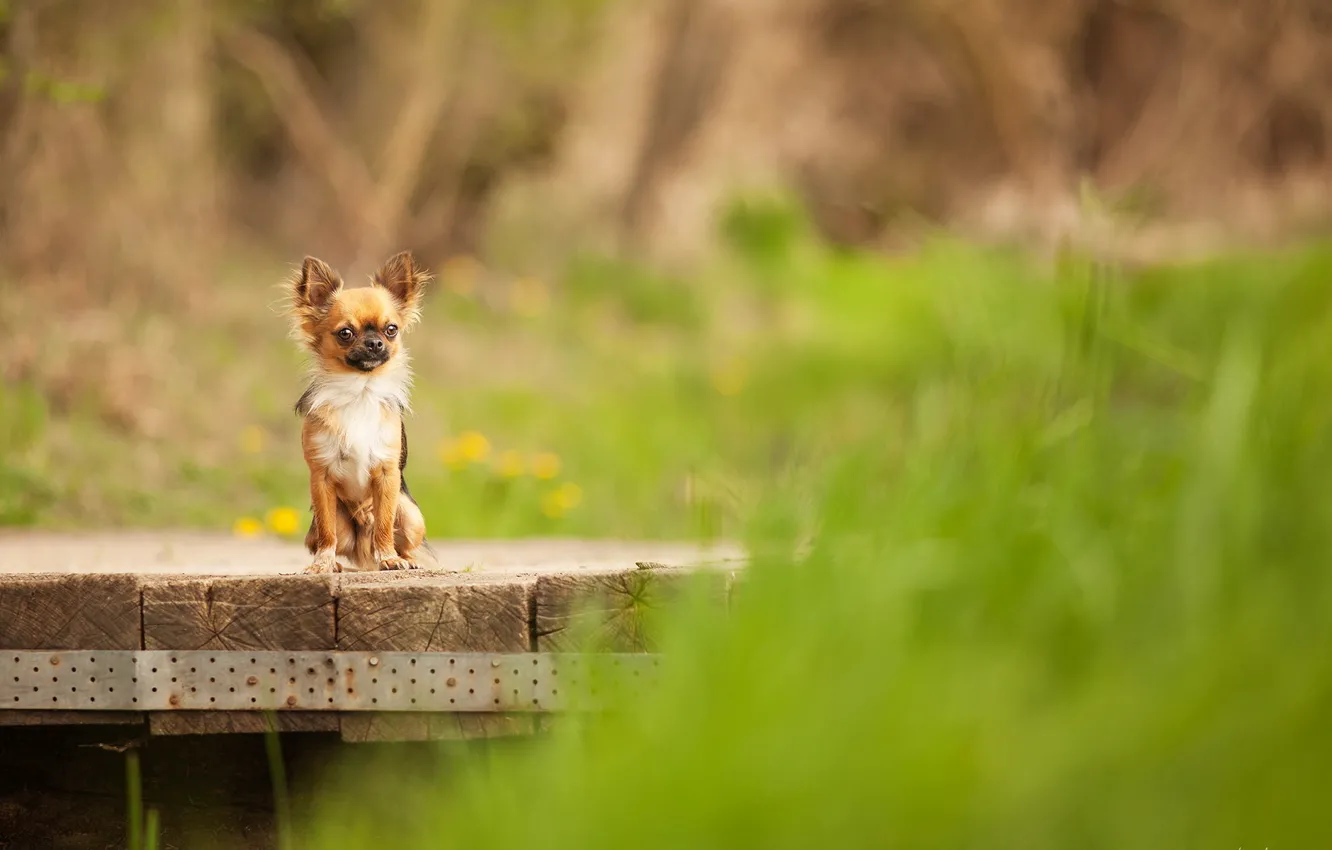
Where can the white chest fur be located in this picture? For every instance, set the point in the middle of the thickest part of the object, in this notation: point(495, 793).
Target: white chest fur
point(364, 429)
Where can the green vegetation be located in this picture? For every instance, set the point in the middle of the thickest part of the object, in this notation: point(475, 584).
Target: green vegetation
point(142, 832)
point(1040, 563)
point(609, 400)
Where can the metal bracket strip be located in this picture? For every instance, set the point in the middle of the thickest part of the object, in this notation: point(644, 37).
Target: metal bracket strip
point(231, 680)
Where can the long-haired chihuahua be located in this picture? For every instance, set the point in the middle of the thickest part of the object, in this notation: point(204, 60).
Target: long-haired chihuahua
point(353, 435)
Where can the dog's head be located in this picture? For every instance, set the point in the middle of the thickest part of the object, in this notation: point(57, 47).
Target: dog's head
point(356, 330)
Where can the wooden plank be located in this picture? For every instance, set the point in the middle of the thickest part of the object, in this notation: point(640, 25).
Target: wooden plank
point(24, 717)
point(69, 611)
point(238, 722)
point(256, 612)
point(434, 613)
point(294, 612)
point(361, 727)
point(513, 609)
point(62, 611)
point(612, 611)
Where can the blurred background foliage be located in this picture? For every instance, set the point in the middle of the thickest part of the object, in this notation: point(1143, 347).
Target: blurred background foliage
point(625, 203)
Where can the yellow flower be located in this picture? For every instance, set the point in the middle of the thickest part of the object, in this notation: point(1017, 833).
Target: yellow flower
point(283, 521)
point(473, 446)
point(469, 447)
point(545, 465)
point(253, 439)
point(571, 494)
point(528, 296)
point(551, 505)
point(729, 378)
point(460, 274)
point(247, 527)
point(558, 502)
point(509, 464)
point(451, 454)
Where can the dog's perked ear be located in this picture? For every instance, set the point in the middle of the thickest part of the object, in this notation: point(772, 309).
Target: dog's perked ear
point(317, 284)
point(405, 281)
point(311, 292)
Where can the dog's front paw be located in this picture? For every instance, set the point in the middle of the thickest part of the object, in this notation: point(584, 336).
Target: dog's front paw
point(324, 562)
point(396, 563)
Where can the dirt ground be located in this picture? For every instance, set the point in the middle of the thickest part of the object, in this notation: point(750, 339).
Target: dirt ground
point(205, 553)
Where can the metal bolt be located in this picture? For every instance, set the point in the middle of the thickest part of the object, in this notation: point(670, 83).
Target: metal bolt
point(451, 682)
point(291, 700)
point(374, 662)
point(494, 664)
point(253, 680)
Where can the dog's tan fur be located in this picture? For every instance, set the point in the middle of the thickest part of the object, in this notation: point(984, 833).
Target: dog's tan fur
point(353, 435)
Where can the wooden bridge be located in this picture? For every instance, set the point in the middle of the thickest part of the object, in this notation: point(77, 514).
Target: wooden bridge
point(162, 605)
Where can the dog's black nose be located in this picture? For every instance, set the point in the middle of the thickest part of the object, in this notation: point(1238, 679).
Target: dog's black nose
point(374, 345)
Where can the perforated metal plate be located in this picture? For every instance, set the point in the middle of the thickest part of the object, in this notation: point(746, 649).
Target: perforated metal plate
point(312, 681)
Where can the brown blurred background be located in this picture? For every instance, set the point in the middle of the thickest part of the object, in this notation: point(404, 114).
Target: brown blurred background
point(516, 130)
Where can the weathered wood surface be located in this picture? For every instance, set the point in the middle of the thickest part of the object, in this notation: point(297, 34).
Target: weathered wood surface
point(270, 612)
point(69, 612)
point(440, 614)
point(199, 592)
point(435, 613)
point(614, 611)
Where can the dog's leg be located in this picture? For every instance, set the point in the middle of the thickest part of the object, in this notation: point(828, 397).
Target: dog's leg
point(384, 486)
point(409, 529)
point(346, 534)
point(323, 537)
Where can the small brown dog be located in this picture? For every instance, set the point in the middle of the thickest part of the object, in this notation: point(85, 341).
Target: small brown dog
point(354, 436)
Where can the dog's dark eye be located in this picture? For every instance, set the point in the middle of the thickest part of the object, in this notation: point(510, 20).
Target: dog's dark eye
point(391, 331)
point(345, 334)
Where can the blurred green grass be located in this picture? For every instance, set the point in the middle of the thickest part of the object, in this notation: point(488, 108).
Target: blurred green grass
point(1045, 567)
